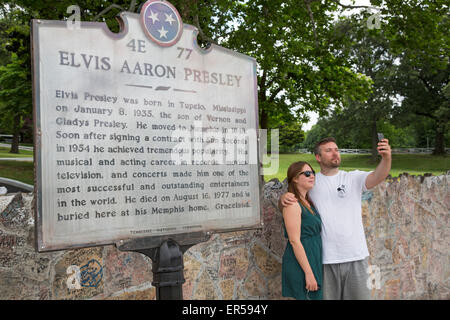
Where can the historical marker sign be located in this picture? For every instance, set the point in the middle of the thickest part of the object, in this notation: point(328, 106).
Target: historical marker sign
point(141, 133)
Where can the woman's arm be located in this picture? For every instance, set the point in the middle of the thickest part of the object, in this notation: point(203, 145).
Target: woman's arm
point(292, 220)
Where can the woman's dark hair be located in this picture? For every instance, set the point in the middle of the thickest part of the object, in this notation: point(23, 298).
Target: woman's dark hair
point(292, 172)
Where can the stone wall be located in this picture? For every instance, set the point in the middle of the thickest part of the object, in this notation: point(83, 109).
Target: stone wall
point(407, 228)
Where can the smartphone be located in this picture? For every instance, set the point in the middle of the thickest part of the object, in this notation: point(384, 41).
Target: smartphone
point(380, 137)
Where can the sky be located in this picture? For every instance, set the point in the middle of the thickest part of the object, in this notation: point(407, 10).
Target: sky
point(313, 115)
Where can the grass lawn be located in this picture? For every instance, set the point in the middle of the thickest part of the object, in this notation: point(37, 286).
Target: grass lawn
point(17, 170)
point(4, 153)
point(414, 164)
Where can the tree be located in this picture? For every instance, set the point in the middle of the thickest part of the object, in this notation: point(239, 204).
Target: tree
point(290, 136)
point(369, 52)
point(418, 34)
point(317, 132)
point(406, 58)
point(15, 76)
point(4, 26)
point(425, 96)
point(298, 70)
point(15, 99)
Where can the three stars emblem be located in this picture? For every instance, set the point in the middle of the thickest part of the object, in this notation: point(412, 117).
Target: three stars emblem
point(162, 22)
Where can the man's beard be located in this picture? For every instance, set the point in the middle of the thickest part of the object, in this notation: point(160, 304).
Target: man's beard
point(333, 164)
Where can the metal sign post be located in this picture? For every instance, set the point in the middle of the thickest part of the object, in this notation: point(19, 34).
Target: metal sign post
point(166, 254)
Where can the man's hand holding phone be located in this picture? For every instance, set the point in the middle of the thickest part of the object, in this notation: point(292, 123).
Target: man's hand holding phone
point(384, 149)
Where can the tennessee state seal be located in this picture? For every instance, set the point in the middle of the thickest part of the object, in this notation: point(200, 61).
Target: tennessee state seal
point(161, 22)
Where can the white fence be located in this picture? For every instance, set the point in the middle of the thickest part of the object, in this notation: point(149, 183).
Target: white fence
point(394, 151)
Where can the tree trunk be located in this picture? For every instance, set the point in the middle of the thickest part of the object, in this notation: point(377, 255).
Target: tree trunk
point(264, 117)
point(439, 146)
point(264, 121)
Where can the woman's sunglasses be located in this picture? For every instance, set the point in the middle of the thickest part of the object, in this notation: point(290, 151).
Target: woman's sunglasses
point(307, 173)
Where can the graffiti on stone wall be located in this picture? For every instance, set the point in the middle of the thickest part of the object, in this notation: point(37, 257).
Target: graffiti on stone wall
point(87, 276)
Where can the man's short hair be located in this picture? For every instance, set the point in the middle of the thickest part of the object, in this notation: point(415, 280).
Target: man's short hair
point(321, 142)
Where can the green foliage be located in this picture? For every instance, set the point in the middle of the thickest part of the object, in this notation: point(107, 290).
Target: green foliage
point(420, 27)
point(15, 90)
point(299, 69)
point(290, 137)
point(409, 101)
point(418, 34)
point(15, 75)
point(15, 95)
point(356, 137)
point(424, 90)
point(316, 133)
point(398, 137)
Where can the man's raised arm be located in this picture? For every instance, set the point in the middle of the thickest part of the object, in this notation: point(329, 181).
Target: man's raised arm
point(383, 168)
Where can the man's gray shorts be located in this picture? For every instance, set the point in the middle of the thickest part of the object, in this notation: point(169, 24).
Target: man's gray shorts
point(346, 281)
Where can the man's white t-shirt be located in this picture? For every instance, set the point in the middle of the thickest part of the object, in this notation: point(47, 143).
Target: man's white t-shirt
point(338, 200)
